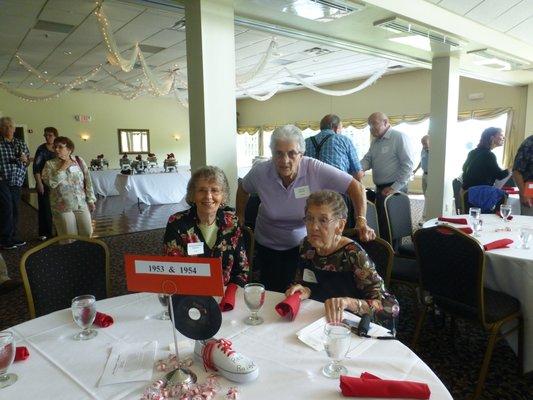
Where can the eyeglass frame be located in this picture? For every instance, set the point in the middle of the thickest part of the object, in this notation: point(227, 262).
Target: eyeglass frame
point(291, 154)
point(323, 224)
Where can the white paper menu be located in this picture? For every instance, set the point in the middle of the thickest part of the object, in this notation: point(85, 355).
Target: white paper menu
point(129, 362)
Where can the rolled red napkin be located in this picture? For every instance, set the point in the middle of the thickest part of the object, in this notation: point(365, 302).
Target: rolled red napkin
point(498, 244)
point(21, 353)
point(290, 306)
point(369, 385)
point(227, 303)
point(466, 230)
point(460, 221)
point(103, 320)
point(510, 217)
point(510, 190)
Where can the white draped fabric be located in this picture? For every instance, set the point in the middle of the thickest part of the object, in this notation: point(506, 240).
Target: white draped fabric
point(104, 182)
point(510, 270)
point(63, 369)
point(160, 188)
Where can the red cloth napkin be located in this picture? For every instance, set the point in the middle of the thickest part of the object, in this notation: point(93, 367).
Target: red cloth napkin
point(460, 221)
point(103, 320)
point(21, 353)
point(369, 385)
point(498, 244)
point(466, 230)
point(510, 190)
point(228, 300)
point(290, 306)
point(510, 217)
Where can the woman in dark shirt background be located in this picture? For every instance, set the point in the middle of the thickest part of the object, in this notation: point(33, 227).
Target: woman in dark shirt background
point(481, 167)
point(44, 153)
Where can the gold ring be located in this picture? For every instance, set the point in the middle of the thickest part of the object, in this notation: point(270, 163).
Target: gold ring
point(339, 308)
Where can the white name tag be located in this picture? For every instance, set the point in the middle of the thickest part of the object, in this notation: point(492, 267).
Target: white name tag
point(172, 268)
point(195, 248)
point(302, 191)
point(384, 149)
point(530, 185)
point(309, 276)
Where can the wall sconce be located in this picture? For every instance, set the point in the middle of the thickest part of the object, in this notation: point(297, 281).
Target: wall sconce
point(84, 137)
point(177, 137)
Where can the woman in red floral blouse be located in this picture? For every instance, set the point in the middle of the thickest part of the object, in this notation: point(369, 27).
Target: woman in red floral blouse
point(208, 221)
point(336, 270)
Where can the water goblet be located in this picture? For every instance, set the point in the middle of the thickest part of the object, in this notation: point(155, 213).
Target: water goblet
point(7, 355)
point(525, 235)
point(336, 344)
point(163, 299)
point(83, 311)
point(475, 213)
point(477, 224)
point(505, 211)
point(254, 297)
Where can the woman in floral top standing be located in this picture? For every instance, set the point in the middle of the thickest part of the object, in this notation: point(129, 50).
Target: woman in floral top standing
point(71, 191)
point(209, 222)
point(336, 270)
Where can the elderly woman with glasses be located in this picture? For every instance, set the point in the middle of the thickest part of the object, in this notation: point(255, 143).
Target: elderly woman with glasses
point(71, 191)
point(209, 228)
point(336, 270)
point(283, 184)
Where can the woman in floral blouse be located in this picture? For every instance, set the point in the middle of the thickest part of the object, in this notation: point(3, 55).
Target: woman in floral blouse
point(209, 222)
point(71, 191)
point(335, 269)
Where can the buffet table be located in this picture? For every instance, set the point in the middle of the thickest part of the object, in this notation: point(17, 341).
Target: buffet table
point(160, 188)
point(104, 182)
point(62, 368)
point(510, 270)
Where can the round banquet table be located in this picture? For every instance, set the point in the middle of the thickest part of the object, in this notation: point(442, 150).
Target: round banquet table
point(62, 368)
point(509, 270)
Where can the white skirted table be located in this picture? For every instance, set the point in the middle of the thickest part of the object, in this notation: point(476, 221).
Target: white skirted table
point(510, 270)
point(160, 188)
point(104, 182)
point(62, 368)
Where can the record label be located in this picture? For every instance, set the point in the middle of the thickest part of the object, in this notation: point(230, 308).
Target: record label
point(196, 317)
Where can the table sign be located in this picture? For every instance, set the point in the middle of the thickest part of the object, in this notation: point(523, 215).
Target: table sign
point(199, 276)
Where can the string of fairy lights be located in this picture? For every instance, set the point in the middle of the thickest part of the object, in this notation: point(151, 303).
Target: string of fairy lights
point(172, 82)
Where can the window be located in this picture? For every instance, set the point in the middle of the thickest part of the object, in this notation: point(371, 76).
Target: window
point(359, 137)
point(133, 141)
point(247, 148)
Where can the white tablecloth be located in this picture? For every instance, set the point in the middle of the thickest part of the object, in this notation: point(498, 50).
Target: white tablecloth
point(161, 188)
point(104, 182)
point(61, 368)
point(510, 270)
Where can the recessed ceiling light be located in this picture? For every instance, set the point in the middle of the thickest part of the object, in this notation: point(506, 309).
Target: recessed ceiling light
point(419, 42)
point(31, 83)
point(45, 72)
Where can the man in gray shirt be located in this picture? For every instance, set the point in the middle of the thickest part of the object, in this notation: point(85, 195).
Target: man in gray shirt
point(390, 159)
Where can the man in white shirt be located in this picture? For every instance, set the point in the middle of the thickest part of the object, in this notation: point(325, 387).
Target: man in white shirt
point(390, 159)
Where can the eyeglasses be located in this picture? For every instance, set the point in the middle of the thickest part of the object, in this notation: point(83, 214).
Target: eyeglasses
point(59, 146)
point(323, 222)
point(292, 154)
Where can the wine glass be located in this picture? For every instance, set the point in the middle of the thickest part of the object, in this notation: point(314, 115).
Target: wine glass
point(505, 211)
point(7, 355)
point(254, 297)
point(525, 235)
point(163, 299)
point(83, 311)
point(336, 344)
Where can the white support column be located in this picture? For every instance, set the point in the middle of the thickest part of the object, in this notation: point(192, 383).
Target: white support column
point(529, 111)
point(211, 81)
point(444, 111)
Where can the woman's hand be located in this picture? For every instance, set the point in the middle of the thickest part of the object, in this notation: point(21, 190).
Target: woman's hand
point(91, 206)
point(305, 292)
point(40, 187)
point(335, 307)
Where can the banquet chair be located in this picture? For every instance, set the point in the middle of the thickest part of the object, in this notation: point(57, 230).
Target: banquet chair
point(372, 217)
point(379, 251)
point(398, 216)
point(456, 185)
point(249, 244)
point(54, 273)
point(251, 210)
point(452, 267)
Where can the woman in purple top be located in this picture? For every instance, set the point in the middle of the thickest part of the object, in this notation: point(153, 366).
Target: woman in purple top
point(283, 185)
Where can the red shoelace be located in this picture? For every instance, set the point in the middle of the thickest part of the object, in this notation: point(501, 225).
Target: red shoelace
point(222, 344)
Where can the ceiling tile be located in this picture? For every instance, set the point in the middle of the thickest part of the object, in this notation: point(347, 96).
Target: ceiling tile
point(488, 10)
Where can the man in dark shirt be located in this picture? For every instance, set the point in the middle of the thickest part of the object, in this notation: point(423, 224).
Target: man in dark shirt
point(523, 174)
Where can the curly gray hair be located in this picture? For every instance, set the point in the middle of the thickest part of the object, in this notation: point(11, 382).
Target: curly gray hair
point(289, 133)
point(209, 173)
point(331, 199)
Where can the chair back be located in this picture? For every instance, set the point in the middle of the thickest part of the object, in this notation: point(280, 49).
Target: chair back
point(451, 268)
point(398, 214)
point(456, 185)
point(382, 254)
point(54, 273)
point(249, 244)
point(251, 210)
point(372, 217)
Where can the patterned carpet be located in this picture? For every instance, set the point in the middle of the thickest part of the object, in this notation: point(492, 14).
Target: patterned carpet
point(455, 359)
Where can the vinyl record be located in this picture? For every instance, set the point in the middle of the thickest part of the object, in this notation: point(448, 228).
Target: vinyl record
point(197, 317)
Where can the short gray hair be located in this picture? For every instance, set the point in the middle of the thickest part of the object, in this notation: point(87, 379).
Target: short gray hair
point(288, 133)
point(209, 173)
point(9, 120)
point(331, 199)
